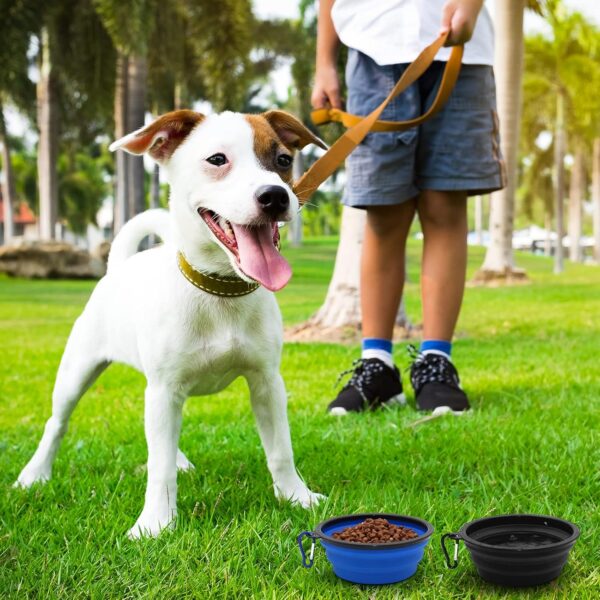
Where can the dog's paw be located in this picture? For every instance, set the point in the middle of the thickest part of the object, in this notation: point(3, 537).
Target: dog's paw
point(300, 496)
point(183, 464)
point(150, 525)
point(309, 500)
point(30, 475)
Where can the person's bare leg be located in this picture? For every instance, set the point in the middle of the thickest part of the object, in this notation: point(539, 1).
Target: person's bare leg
point(382, 267)
point(443, 217)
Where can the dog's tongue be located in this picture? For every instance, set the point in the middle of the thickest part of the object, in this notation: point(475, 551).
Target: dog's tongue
point(259, 259)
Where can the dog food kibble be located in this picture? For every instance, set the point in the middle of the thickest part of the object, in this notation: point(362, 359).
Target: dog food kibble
point(375, 531)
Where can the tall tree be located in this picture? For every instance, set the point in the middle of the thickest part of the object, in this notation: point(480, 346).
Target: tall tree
point(558, 65)
point(596, 197)
point(576, 194)
point(47, 103)
point(508, 67)
point(72, 57)
point(130, 24)
point(19, 21)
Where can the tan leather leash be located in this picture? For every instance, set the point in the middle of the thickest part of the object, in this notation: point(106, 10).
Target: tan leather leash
point(359, 127)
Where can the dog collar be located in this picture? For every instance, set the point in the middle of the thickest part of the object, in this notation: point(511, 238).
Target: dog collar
point(218, 285)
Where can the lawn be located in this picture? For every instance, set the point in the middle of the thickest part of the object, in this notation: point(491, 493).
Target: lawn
point(529, 360)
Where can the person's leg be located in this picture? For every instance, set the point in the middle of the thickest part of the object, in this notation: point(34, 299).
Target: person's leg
point(443, 217)
point(380, 177)
point(376, 380)
point(382, 267)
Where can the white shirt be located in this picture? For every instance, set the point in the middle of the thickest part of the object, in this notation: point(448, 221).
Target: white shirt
point(395, 31)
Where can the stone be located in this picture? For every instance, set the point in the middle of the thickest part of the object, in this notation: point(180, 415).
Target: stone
point(50, 260)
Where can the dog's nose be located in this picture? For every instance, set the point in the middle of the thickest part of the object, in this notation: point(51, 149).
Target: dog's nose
point(273, 199)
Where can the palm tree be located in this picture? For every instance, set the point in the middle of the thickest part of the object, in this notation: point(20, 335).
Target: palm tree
point(74, 52)
point(47, 118)
point(563, 69)
point(508, 66)
point(130, 23)
point(19, 21)
point(596, 197)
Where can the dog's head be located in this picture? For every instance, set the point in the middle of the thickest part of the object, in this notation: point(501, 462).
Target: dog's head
point(230, 176)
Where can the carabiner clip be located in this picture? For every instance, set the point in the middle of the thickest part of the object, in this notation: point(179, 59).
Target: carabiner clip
point(456, 538)
point(311, 553)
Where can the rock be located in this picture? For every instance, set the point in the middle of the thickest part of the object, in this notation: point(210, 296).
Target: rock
point(508, 276)
point(101, 251)
point(50, 260)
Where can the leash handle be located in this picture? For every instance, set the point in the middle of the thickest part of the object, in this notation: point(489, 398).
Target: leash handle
point(361, 126)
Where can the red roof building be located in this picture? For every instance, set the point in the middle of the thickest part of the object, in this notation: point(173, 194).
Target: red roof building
point(23, 217)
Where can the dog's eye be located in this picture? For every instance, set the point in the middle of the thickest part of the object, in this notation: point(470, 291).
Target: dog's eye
point(284, 160)
point(218, 159)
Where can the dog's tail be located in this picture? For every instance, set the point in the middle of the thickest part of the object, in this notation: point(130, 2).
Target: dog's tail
point(155, 221)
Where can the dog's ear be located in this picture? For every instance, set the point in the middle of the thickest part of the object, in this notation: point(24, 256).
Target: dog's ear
point(292, 132)
point(162, 137)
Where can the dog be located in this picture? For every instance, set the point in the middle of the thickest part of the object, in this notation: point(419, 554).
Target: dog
point(198, 311)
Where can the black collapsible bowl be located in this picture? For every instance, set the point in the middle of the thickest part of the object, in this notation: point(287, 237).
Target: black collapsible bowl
point(516, 550)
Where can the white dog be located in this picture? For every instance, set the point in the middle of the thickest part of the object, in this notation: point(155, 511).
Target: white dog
point(190, 314)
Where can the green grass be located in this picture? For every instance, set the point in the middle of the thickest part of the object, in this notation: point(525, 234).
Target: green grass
point(529, 360)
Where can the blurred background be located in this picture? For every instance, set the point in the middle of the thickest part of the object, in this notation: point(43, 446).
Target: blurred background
point(76, 74)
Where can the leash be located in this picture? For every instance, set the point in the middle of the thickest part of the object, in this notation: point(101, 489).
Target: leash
point(359, 127)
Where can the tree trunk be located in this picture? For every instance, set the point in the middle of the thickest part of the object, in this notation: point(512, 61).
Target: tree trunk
point(121, 204)
point(339, 318)
point(576, 192)
point(295, 226)
point(559, 180)
point(548, 228)
point(508, 63)
point(342, 303)
point(8, 182)
point(479, 220)
point(178, 96)
point(596, 197)
point(136, 111)
point(48, 141)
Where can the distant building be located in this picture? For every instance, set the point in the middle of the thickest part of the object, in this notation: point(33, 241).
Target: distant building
point(25, 225)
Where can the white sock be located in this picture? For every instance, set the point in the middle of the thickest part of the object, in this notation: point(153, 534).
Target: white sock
point(386, 357)
point(437, 352)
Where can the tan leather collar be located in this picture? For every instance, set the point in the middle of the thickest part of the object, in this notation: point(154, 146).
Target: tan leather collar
point(218, 285)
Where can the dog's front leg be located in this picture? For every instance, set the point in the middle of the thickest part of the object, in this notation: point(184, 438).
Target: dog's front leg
point(162, 425)
point(269, 403)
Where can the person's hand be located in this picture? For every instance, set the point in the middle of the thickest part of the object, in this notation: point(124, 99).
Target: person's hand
point(459, 18)
point(327, 88)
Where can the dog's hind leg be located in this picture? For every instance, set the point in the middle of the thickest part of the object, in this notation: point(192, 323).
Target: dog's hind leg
point(269, 403)
point(162, 423)
point(79, 367)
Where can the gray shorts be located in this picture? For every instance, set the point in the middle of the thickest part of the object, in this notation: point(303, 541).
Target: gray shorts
point(457, 150)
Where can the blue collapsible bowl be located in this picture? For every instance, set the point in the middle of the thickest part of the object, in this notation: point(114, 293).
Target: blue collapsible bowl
point(370, 563)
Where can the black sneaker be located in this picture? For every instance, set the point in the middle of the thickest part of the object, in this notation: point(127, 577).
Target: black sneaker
point(373, 384)
point(436, 383)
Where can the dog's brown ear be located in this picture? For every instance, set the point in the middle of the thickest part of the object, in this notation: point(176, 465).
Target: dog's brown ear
point(162, 137)
point(292, 132)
